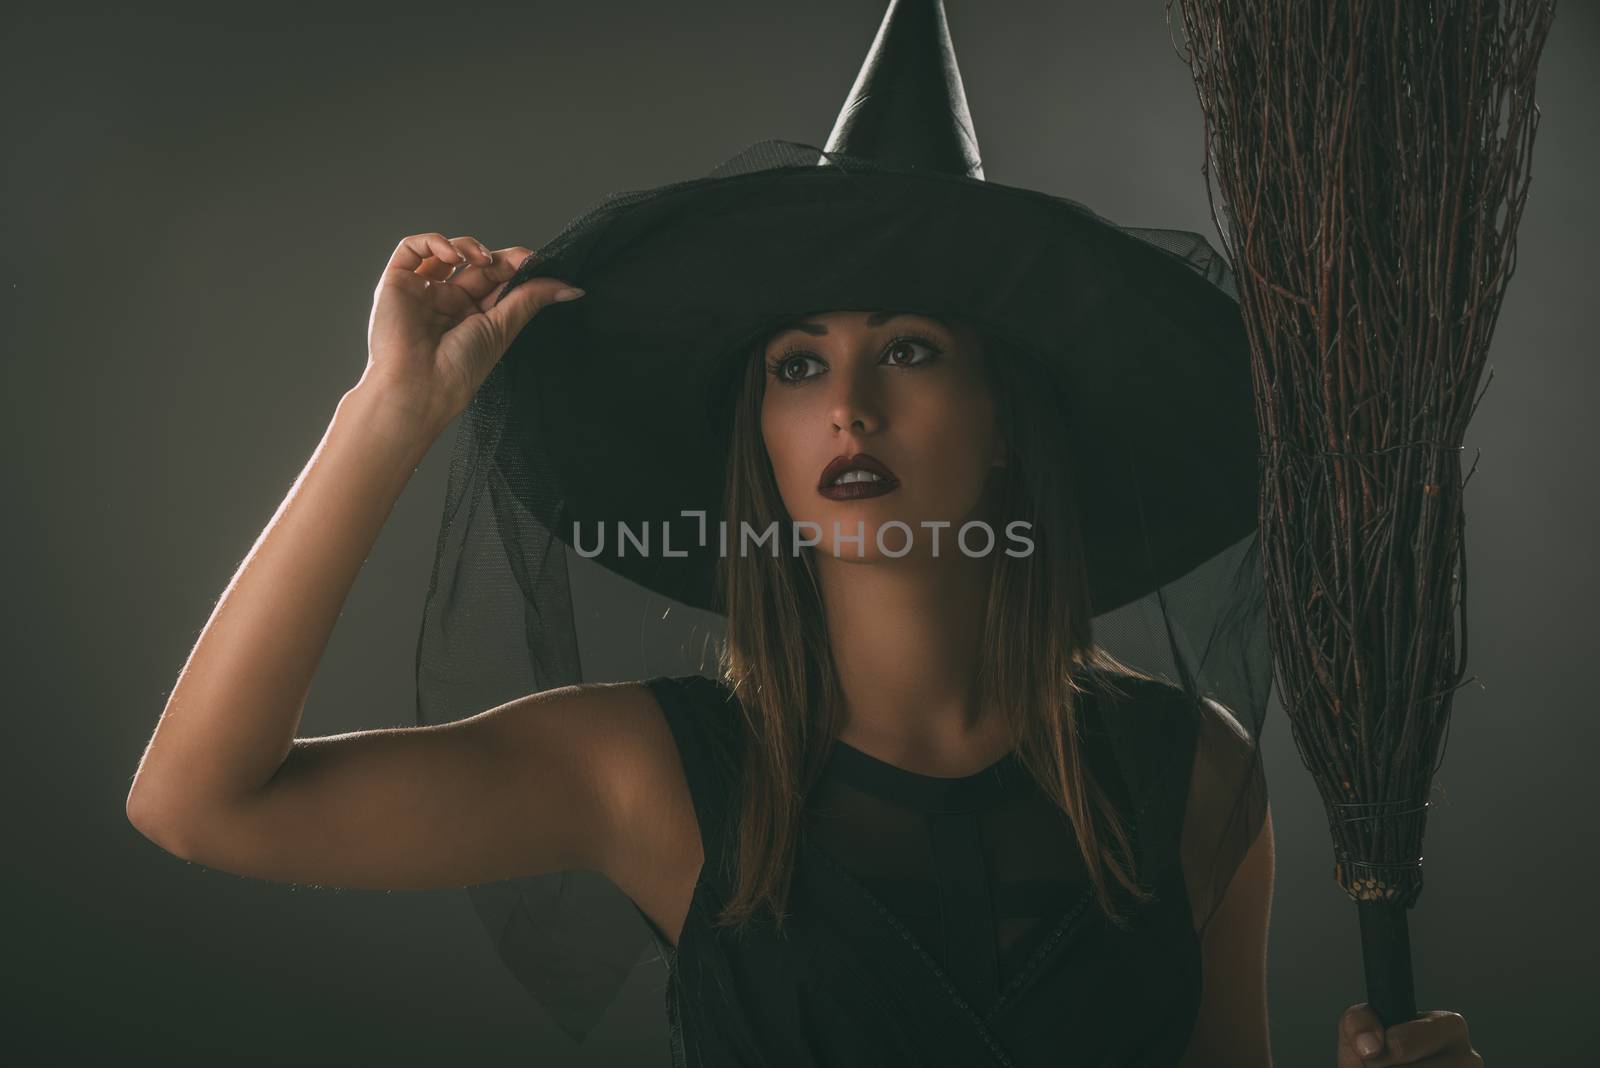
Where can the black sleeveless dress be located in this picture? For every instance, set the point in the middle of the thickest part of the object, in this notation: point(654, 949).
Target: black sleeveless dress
point(935, 921)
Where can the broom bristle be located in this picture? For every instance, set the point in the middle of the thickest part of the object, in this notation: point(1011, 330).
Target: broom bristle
point(1370, 163)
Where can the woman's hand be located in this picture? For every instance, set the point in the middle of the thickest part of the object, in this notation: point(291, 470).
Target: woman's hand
point(436, 332)
point(1437, 1039)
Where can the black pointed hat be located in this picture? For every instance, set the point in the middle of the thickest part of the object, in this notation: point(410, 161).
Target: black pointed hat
point(614, 409)
point(908, 108)
point(1141, 325)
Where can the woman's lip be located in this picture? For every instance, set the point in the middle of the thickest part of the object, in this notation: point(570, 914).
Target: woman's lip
point(860, 461)
point(852, 491)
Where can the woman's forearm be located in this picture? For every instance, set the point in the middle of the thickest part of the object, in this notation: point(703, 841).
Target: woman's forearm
point(233, 715)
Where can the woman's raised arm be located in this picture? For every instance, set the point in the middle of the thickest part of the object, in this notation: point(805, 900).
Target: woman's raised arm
point(536, 784)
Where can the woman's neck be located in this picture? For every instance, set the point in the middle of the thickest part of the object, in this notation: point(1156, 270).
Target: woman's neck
point(906, 637)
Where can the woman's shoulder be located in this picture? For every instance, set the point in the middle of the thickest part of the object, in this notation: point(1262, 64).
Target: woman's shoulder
point(1160, 709)
point(1190, 730)
point(1190, 760)
point(1157, 729)
point(1134, 702)
point(702, 711)
point(707, 725)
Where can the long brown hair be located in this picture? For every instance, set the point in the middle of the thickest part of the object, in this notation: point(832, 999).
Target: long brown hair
point(1038, 644)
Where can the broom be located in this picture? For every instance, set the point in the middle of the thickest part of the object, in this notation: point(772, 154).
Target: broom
point(1371, 160)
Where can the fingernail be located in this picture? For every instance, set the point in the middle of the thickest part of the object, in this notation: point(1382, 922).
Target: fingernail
point(1367, 1044)
point(569, 293)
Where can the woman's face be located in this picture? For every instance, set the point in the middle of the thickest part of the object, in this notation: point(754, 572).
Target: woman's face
point(907, 390)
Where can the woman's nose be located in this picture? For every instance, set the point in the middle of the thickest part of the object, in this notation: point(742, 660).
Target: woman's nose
point(854, 410)
point(854, 419)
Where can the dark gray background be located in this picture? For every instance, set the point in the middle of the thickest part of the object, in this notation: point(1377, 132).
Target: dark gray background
point(198, 208)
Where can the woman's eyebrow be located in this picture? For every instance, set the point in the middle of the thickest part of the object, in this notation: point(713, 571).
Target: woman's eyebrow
point(877, 318)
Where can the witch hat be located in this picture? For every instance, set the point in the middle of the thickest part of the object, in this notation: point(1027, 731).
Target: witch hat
point(623, 395)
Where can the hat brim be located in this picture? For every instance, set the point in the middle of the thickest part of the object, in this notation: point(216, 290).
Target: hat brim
point(613, 392)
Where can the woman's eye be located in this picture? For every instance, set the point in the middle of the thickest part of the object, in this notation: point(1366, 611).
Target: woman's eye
point(908, 344)
point(781, 367)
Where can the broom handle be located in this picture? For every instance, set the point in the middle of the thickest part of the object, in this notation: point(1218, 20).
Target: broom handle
point(1386, 953)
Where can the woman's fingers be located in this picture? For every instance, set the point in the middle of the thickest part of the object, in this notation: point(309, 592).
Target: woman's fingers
point(469, 253)
point(1437, 1036)
point(482, 283)
point(413, 250)
point(1359, 1027)
point(473, 253)
point(469, 283)
point(474, 272)
point(479, 273)
point(510, 315)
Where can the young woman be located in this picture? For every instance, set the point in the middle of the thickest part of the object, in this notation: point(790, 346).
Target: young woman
point(921, 816)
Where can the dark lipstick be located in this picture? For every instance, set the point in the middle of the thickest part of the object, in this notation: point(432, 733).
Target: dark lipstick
point(856, 490)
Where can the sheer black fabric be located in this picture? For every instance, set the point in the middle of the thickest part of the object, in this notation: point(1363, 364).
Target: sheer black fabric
point(512, 609)
point(940, 921)
point(974, 869)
